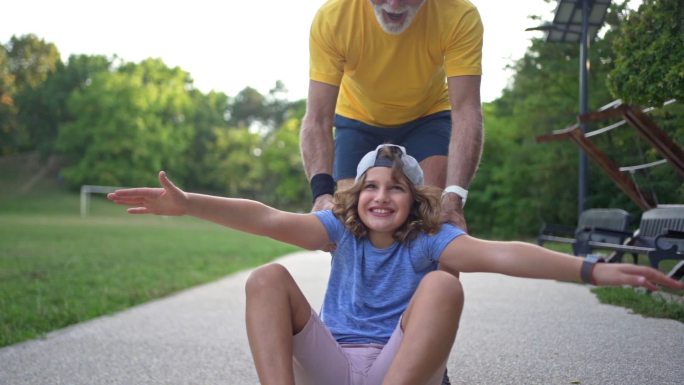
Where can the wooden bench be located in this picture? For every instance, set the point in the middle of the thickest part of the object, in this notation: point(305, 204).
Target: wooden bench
point(607, 219)
point(660, 236)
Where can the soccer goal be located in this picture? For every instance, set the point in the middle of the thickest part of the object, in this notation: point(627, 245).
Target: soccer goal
point(86, 190)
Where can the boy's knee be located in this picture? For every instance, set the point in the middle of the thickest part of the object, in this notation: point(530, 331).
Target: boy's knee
point(266, 276)
point(443, 285)
point(439, 297)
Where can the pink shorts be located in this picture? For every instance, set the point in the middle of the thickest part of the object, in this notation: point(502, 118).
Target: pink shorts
point(319, 359)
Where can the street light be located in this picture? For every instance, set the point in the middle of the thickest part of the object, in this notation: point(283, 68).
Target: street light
point(578, 21)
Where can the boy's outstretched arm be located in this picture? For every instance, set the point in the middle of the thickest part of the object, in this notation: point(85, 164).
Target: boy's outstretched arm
point(304, 230)
point(520, 259)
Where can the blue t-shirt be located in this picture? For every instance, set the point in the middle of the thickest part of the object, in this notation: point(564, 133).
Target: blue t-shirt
point(370, 288)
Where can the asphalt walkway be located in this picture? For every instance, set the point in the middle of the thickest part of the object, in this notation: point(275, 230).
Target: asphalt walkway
point(513, 331)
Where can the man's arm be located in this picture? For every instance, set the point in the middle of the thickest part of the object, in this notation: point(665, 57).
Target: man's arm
point(465, 146)
point(316, 139)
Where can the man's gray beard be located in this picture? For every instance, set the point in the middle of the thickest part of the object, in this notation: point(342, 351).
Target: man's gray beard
point(393, 28)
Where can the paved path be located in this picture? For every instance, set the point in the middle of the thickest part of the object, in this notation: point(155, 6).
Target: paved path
point(513, 331)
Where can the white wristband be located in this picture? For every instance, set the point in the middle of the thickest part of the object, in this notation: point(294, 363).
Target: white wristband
point(458, 190)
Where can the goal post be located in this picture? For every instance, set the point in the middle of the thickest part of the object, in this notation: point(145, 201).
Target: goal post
point(86, 190)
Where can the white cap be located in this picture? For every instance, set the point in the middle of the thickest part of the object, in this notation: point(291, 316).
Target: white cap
point(409, 164)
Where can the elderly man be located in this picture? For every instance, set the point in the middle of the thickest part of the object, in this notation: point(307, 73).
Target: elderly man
point(398, 71)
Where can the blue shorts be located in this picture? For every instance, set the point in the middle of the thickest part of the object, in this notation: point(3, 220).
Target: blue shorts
point(422, 138)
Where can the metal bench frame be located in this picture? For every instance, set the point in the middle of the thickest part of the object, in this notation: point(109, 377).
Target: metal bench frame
point(660, 236)
point(615, 222)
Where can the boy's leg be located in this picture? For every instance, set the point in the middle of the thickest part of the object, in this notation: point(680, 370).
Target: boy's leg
point(276, 310)
point(429, 329)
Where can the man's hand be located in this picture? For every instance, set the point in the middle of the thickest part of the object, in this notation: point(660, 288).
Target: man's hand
point(452, 211)
point(322, 202)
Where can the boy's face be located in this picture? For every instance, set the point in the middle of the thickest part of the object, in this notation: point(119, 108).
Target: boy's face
point(384, 205)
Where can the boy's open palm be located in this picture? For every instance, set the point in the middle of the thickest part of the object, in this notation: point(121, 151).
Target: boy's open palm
point(619, 274)
point(167, 200)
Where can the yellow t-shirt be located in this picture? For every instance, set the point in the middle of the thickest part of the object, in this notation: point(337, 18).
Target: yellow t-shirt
point(387, 80)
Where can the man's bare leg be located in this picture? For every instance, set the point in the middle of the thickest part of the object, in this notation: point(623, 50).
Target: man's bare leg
point(276, 310)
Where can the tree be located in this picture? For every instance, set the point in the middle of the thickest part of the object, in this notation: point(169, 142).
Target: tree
point(44, 108)
point(25, 63)
point(649, 54)
point(234, 162)
point(129, 124)
point(247, 108)
point(210, 120)
point(285, 182)
point(8, 107)
point(238, 161)
point(267, 111)
point(278, 108)
point(31, 60)
point(521, 183)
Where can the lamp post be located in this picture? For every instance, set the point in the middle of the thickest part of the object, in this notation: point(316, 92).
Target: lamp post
point(578, 21)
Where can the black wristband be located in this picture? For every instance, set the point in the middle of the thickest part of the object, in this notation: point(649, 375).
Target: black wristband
point(588, 267)
point(322, 184)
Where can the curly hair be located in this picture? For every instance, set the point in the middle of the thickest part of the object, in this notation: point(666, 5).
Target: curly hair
point(423, 215)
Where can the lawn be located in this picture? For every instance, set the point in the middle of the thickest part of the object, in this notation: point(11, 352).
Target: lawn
point(57, 268)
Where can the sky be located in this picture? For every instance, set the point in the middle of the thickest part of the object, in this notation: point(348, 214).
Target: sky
point(229, 45)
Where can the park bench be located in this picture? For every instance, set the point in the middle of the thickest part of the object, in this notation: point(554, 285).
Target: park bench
point(660, 236)
point(608, 219)
point(677, 272)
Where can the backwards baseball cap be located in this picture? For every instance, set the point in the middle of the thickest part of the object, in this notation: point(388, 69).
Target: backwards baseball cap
point(409, 164)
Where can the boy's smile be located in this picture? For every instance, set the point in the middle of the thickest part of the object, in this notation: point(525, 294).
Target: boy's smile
point(384, 205)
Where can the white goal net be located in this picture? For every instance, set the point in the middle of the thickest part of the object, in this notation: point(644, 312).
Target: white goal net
point(86, 190)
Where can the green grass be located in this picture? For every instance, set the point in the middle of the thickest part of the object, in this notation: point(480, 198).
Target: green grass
point(639, 301)
point(57, 268)
point(645, 304)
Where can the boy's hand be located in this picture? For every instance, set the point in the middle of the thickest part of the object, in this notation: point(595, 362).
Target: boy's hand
point(168, 200)
point(609, 274)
